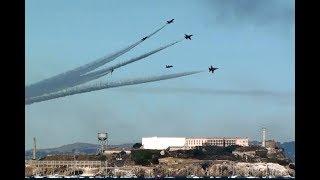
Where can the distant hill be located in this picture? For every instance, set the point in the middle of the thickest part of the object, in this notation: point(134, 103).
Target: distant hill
point(81, 148)
point(289, 148)
point(254, 143)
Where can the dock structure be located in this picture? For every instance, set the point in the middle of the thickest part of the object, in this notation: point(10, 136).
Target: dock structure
point(79, 164)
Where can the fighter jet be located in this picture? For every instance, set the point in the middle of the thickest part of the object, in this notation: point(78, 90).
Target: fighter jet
point(212, 69)
point(169, 66)
point(144, 38)
point(188, 36)
point(171, 21)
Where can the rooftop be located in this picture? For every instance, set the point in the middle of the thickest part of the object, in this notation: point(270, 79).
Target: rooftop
point(202, 137)
point(217, 138)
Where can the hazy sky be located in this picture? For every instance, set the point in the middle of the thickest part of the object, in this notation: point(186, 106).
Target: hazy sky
point(252, 42)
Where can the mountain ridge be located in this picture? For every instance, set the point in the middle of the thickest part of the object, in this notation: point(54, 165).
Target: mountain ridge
point(77, 147)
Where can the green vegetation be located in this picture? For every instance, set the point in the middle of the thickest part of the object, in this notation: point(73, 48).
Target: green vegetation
point(262, 153)
point(145, 157)
point(249, 148)
point(206, 152)
point(136, 145)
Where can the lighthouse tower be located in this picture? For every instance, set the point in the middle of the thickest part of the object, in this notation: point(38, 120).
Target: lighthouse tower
point(264, 137)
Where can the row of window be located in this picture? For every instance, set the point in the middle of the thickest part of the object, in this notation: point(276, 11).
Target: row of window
point(212, 142)
point(219, 140)
point(195, 142)
point(221, 143)
point(215, 144)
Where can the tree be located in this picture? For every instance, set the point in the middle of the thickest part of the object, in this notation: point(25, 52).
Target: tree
point(136, 145)
point(122, 153)
point(145, 156)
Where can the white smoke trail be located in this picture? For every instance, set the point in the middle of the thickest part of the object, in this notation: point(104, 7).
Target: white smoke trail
point(156, 31)
point(97, 74)
point(208, 91)
point(47, 84)
point(99, 86)
point(73, 81)
point(109, 69)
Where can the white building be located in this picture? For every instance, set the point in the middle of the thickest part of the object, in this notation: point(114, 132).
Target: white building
point(162, 142)
point(217, 141)
point(188, 143)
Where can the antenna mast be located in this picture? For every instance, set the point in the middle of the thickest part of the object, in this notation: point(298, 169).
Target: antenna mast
point(34, 149)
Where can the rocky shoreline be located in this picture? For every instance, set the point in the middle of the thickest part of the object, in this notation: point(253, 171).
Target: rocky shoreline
point(224, 168)
point(173, 167)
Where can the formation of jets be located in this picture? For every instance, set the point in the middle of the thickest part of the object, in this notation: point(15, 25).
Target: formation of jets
point(168, 22)
point(186, 36)
point(211, 68)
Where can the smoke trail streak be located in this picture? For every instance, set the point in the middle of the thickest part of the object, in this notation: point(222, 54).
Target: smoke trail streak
point(97, 74)
point(109, 69)
point(99, 86)
point(156, 31)
point(71, 82)
point(46, 84)
point(100, 62)
point(207, 91)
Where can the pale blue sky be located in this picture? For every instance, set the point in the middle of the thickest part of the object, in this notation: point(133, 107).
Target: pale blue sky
point(252, 42)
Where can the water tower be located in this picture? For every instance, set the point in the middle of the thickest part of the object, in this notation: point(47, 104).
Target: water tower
point(103, 142)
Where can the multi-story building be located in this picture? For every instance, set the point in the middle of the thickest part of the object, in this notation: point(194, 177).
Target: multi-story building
point(217, 141)
point(188, 143)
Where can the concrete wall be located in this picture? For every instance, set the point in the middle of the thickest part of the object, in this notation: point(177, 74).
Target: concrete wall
point(271, 144)
point(242, 142)
point(162, 142)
